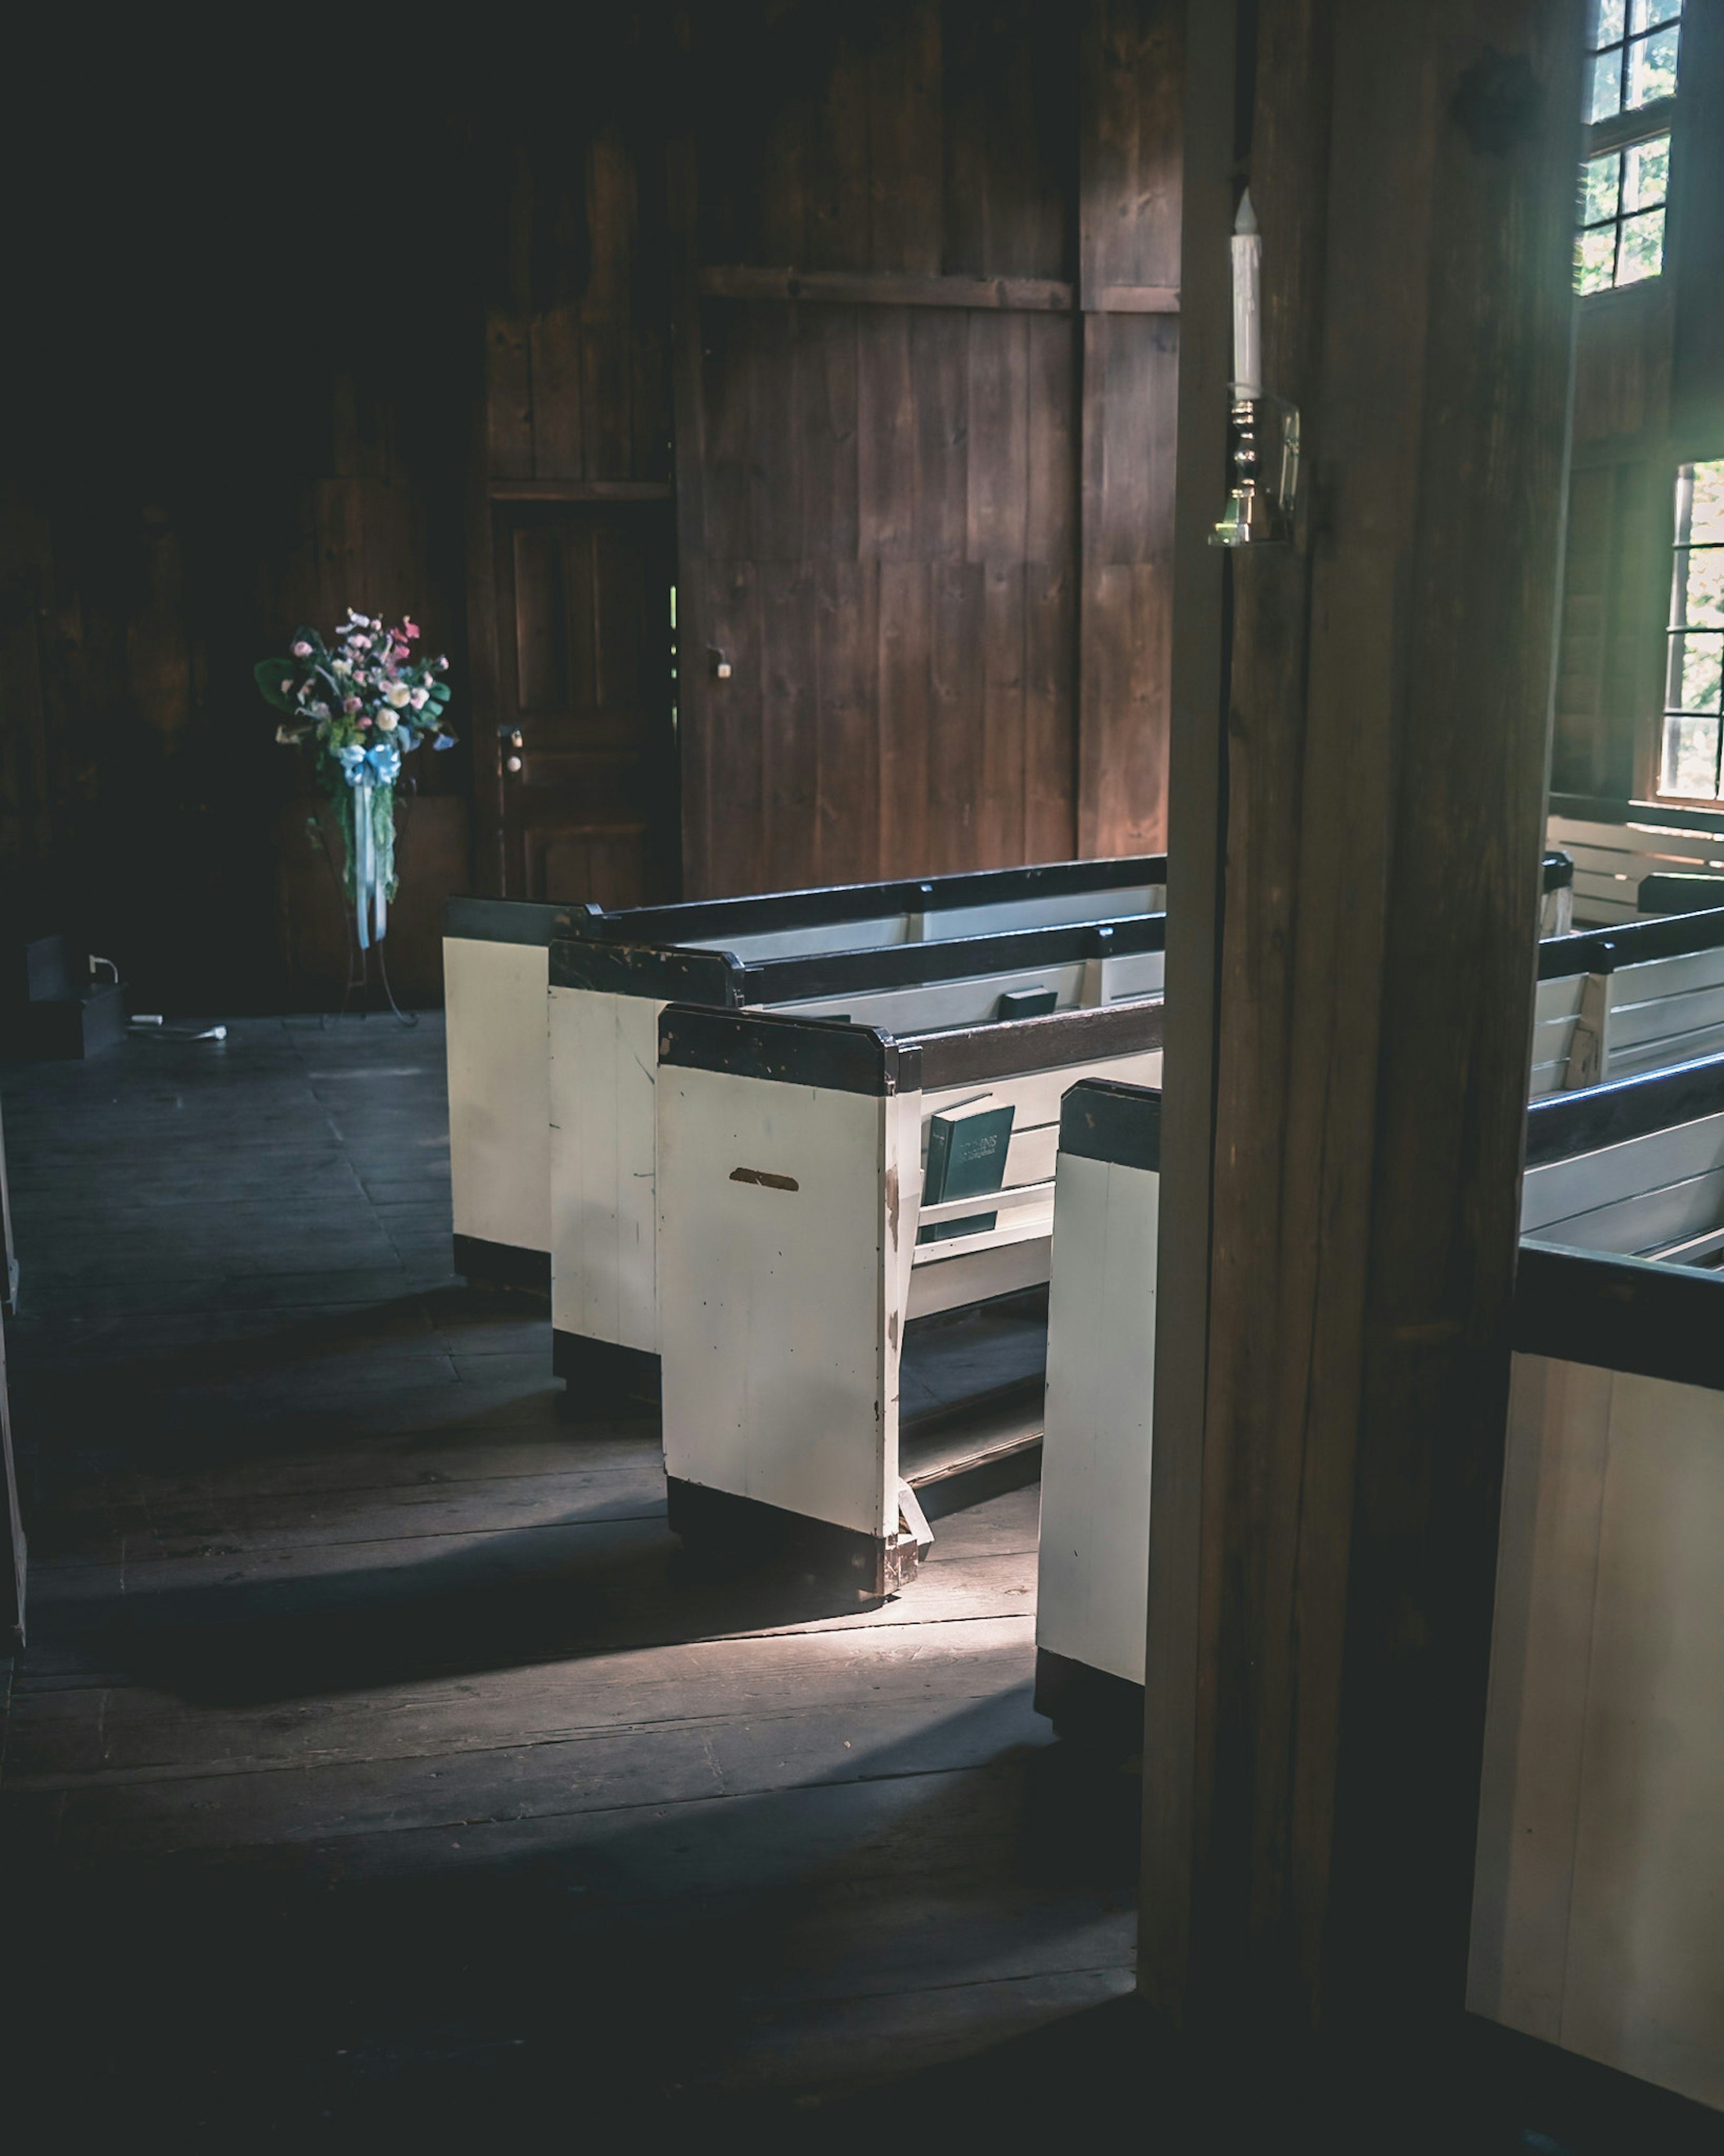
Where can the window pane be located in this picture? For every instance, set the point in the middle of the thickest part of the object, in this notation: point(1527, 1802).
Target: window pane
point(1646, 173)
point(1642, 252)
point(1603, 90)
point(1652, 67)
point(1690, 757)
point(1707, 513)
point(1704, 593)
point(1595, 260)
point(1696, 680)
point(1603, 23)
point(1600, 188)
point(1644, 14)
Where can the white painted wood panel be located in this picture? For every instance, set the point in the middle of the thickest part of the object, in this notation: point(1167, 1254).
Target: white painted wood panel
point(604, 1053)
point(779, 1375)
point(1037, 1093)
point(1560, 1189)
point(1598, 1906)
point(975, 1000)
point(1092, 1595)
point(499, 1092)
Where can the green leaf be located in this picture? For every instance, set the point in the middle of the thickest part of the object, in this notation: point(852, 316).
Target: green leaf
point(269, 673)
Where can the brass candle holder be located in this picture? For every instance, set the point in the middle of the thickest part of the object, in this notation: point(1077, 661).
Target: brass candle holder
point(1260, 514)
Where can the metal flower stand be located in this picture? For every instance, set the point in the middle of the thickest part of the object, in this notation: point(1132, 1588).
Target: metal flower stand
point(359, 981)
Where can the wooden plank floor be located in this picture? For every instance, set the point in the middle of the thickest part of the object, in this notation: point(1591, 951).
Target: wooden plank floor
point(379, 1754)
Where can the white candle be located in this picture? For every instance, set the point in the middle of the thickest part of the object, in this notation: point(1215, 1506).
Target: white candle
point(1247, 275)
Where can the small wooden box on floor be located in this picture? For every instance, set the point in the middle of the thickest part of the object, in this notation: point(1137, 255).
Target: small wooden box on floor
point(496, 976)
point(790, 1175)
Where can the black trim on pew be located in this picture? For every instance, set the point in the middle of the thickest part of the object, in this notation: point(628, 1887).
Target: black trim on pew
point(1563, 1124)
point(1558, 871)
point(501, 1264)
point(682, 975)
point(760, 914)
point(1618, 1313)
point(1104, 1119)
point(800, 1051)
point(1629, 943)
point(507, 921)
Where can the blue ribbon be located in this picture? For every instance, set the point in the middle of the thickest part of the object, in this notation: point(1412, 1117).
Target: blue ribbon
point(365, 769)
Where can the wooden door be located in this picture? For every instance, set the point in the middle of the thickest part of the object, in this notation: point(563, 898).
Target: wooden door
point(585, 769)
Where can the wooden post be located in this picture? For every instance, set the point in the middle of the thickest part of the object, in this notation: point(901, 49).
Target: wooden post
point(1360, 723)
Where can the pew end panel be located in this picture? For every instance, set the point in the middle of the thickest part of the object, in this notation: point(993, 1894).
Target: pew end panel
point(1600, 1870)
point(783, 1157)
point(1093, 1564)
point(792, 1276)
point(495, 969)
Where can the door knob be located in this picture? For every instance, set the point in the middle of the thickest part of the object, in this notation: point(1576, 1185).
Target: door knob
point(512, 764)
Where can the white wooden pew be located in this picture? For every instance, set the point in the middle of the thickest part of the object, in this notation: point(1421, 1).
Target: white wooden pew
point(1614, 845)
point(609, 1220)
point(1600, 1871)
point(495, 976)
point(1555, 911)
point(1642, 996)
point(790, 1177)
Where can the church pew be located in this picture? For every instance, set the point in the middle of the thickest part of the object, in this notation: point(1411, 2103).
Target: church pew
point(608, 1218)
point(496, 976)
point(1642, 996)
point(1555, 911)
point(791, 1162)
point(1600, 1867)
point(1615, 845)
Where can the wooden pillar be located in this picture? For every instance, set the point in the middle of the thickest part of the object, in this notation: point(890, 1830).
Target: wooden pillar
point(1360, 723)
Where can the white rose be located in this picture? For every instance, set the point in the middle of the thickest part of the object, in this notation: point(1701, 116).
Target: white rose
point(385, 720)
point(419, 700)
point(398, 693)
point(341, 666)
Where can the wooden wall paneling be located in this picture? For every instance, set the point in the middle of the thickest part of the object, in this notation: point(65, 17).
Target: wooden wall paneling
point(1694, 244)
point(728, 822)
point(907, 715)
point(557, 401)
point(825, 417)
point(905, 189)
point(848, 630)
point(790, 720)
point(939, 359)
point(887, 419)
point(1325, 1475)
point(1129, 259)
point(957, 733)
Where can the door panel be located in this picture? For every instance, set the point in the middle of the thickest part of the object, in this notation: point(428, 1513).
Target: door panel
point(585, 771)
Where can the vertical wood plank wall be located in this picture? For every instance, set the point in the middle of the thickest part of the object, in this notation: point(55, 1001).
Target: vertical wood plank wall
point(938, 660)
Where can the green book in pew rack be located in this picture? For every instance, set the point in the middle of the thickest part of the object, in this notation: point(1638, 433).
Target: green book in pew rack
point(967, 1158)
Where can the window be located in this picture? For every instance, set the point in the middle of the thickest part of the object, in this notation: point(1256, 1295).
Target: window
point(1694, 681)
point(1632, 53)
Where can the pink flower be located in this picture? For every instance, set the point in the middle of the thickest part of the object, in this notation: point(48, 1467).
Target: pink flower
point(365, 723)
point(408, 629)
point(350, 704)
point(301, 650)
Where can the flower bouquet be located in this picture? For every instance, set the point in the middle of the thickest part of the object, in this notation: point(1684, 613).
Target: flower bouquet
point(363, 700)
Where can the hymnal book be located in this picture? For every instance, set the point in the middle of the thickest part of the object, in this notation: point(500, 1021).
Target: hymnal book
point(1023, 1003)
point(967, 1158)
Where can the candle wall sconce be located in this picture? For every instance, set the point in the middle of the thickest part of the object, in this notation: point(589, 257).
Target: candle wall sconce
point(1263, 430)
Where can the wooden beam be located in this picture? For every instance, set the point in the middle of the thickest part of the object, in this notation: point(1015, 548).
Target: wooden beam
point(884, 288)
point(1360, 728)
point(579, 489)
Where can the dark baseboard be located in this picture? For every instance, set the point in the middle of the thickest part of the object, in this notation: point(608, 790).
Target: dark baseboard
point(603, 1376)
point(502, 1264)
point(1089, 1705)
point(872, 1565)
